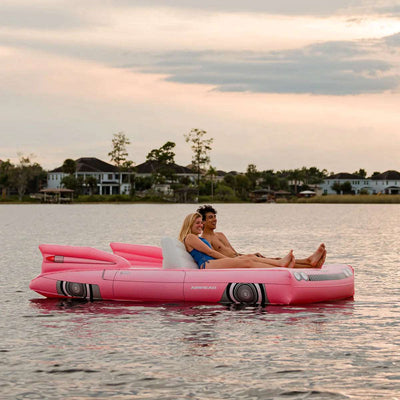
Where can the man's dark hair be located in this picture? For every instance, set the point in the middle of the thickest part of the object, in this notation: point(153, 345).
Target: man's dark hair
point(203, 210)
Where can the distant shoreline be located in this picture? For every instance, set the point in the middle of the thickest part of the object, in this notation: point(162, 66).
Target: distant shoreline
point(327, 199)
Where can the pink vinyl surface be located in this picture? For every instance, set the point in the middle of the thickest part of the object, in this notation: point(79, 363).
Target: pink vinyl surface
point(135, 273)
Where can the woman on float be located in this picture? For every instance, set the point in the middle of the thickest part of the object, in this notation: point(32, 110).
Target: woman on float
point(205, 257)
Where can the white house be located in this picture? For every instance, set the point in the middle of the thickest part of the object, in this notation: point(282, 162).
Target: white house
point(357, 183)
point(109, 179)
point(387, 183)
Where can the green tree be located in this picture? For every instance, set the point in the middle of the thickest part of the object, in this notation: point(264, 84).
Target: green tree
point(204, 188)
point(346, 187)
point(269, 180)
point(361, 172)
point(296, 176)
point(70, 182)
point(313, 175)
point(163, 155)
point(91, 183)
point(38, 179)
point(337, 187)
point(143, 183)
point(224, 193)
point(119, 154)
point(283, 179)
point(26, 174)
point(243, 185)
point(69, 166)
point(201, 148)
point(163, 159)
point(253, 175)
point(230, 181)
point(73, 183)
point(211, 174)
point(5, 177)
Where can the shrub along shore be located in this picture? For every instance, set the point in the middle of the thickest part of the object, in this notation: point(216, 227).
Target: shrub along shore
point(326, 199)
point(348, 199)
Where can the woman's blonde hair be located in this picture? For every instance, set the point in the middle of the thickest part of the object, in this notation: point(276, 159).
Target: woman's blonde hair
point(187, 225)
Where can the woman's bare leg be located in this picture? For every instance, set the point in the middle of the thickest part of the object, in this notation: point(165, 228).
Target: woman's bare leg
point(286, 262)
point(277, 262)
point(248, 262)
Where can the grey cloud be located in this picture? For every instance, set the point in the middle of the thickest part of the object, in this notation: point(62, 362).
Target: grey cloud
point(392, 10)
point(288, 7)
point(36, 17)
point(393, 40)
point(331, 68)
point(76, 14)
point(338, 68)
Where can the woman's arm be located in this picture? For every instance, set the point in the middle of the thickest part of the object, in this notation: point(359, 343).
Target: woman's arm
point(193, 242)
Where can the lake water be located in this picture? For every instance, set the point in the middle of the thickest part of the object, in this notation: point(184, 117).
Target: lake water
point(111, 350)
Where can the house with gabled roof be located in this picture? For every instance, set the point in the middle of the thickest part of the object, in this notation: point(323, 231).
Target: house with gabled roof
point(386, 183)
point(358, 183)
point(109, 179)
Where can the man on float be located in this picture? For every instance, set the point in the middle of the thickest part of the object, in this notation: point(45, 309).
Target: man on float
point(220, 242)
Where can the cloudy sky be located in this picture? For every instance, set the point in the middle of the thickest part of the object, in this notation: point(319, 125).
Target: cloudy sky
point(280, 84)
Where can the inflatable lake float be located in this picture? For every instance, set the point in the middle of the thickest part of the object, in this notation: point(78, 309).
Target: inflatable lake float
point(169, 274)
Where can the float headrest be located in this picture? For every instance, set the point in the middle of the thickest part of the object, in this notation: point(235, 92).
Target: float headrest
point(175, 255)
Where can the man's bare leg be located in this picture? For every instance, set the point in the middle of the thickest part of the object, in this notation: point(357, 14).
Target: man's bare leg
point(288, 261)
point(316, 260)
point(322, 260)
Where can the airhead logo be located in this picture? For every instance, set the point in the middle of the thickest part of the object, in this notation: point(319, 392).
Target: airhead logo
point(203, 288)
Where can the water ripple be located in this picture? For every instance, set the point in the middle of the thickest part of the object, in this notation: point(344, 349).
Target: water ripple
point(111, 350)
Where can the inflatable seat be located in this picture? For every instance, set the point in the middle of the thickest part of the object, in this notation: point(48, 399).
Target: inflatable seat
point(175, 255)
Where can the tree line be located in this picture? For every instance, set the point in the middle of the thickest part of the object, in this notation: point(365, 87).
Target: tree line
point(29, 177)
point(24, 177)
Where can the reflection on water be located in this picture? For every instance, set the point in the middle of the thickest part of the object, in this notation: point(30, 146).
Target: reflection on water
point(74, 349)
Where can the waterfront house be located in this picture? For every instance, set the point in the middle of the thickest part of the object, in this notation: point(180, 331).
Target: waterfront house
point(109, 179)
point(386, 183)
point(357, 182)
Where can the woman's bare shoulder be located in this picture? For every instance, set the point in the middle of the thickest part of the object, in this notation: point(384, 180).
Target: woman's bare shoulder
point(190, 237)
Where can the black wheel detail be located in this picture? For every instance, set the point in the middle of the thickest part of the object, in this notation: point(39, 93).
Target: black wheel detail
point(245, 293)
point(82, 290)
point(76, 289)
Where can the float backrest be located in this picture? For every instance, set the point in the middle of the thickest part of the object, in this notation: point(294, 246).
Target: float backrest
point(175, 255)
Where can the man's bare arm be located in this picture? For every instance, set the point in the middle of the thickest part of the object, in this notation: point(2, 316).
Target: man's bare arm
point(226, 242)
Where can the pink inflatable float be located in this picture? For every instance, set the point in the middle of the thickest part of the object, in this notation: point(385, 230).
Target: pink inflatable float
point(169, 274)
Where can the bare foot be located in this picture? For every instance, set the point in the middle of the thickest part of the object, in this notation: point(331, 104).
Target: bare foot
point(292, 262)
point(287, 260)
point(321, 261)
point(317, 255)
